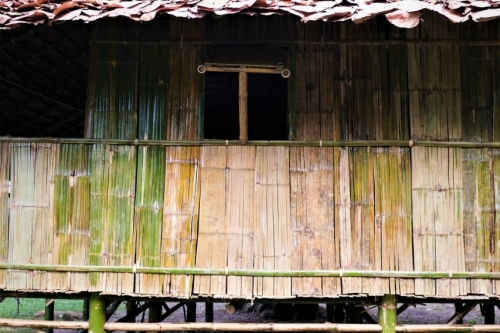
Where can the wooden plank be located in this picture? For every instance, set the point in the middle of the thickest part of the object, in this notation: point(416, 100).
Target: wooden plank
point(4, 209)
point(212, 221)
point(495, 258)
point(71, 213)
point(29, 237)
point(180, 219)
point(243, 107)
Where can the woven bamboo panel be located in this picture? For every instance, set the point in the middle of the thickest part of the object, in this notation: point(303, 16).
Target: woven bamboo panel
point(180, 217)
point(4, 208)
point(71, 215)
point(30, 232)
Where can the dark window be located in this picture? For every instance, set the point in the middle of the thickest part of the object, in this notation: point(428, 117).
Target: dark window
point(267, 106)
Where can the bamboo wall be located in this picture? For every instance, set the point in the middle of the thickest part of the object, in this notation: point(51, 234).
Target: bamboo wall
point(356, 208)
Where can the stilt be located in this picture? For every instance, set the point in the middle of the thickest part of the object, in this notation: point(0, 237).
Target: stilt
point(97, 313)
point(488, 311)
point(49, 312)
point(459, 308)
point(191, 312)
point(330, 317)
point(209, 312)
point(339, 313)
point(155, 312)
point(387, 314)
point(354, 314)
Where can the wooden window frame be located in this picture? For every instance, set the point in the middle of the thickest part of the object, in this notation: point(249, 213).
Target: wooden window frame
point(243, 89)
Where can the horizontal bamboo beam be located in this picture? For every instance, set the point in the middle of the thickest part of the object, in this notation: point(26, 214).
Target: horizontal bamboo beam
point(256, 272)
point(446, 328)
point(360, 143)
point(285, 42)
point(243, 70)
point(28, 323)
point(242, 327)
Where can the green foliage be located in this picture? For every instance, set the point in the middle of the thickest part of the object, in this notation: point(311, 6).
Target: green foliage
point(25, 308)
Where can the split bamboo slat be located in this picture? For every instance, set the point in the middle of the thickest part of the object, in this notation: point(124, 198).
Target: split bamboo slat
point(437, 217)
point(180, 217)
point(4, 208)
point(480, 236)
point(148, 217)
point(71, 214)
point(312, 218)
point(435, 114)
point(240, 217)
point(30, 232)
point(212, 238)
point(272, 214)
point(495, 256)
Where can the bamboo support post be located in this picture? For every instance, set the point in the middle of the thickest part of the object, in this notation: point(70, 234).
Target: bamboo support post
point(387, 314)
point(49, 312)
point(242, 327)
point(243, 102)
point(97, 313)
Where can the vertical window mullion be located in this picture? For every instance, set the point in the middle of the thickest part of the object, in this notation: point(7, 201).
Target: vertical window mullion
point(243, 107)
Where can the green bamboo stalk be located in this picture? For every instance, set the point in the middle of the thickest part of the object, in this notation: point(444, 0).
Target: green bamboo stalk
point(355, 143)
point(97, 313)
point(255, 272)
point(4, 207)
point(387, 314)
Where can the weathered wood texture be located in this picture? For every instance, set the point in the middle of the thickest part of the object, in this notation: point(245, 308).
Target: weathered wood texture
point(253, 207)
point(30, 230)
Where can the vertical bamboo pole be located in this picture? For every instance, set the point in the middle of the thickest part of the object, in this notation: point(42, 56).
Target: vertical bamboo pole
point(97, 313)
point(387, 313)
point(243, 94)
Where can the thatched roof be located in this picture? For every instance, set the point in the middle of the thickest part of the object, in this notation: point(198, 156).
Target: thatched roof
point(404, 13)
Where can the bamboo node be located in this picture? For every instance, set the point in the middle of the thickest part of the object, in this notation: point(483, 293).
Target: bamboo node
point(227, 142)
point(320, 143)
point(340, 272)
point(410, 143)
point(134, 269)
point(450, 274)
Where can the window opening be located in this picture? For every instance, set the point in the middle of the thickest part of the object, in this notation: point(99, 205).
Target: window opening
point(246, 94)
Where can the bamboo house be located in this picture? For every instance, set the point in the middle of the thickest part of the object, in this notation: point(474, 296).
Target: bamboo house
point(334, 152)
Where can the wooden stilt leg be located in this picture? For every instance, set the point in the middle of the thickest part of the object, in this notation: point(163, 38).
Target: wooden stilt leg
point(329, 313)
point(209, 312)
point(49, 312)
point(191, 312)
point(97, 313)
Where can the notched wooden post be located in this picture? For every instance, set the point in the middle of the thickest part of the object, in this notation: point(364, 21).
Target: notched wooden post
point(243, 103)
point(387, 314)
